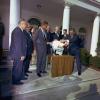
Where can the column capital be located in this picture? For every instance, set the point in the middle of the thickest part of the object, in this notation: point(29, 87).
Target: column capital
point(98, 14)
point(67, 3)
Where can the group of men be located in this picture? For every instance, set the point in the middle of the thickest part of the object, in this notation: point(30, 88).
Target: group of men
point(43, 40)
point(22, 47)
point(72, 47)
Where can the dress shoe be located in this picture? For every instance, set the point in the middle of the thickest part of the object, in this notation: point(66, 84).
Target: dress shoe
point(24, 78)
point(39, 75)
point(79, 73)
point(44, 72)
point(26, 74)
point(29, 71)
point(17, 83)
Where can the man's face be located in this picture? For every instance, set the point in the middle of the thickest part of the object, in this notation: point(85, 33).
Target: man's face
point(57, 29)
point(45, 26)
point(28, 28)
point(23, 25)
point(48, 28)
point(71, 32)
point(65, 32)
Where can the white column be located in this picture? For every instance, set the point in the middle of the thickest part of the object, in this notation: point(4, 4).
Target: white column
point(95, 36)
point(14, 16)
point(66, 18)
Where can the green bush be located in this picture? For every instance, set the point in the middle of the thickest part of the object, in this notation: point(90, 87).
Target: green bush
point(95, 61)
point(85, 56)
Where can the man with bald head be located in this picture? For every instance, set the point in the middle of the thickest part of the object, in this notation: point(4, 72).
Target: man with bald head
point(18, 50)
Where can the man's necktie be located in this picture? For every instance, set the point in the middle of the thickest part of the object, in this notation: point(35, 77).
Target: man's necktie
point(44, 35)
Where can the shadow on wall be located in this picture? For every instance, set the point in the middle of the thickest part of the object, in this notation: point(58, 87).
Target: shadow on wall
point(5, 82)
point(2, 31)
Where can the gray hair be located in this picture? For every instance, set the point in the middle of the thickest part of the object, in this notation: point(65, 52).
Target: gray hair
point(21, 20)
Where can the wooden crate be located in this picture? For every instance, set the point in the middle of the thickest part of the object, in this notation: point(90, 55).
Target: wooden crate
point(62, 65)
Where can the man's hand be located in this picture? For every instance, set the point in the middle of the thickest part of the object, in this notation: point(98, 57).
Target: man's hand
point(22, 58)
point(50, 43)
point(66, 43)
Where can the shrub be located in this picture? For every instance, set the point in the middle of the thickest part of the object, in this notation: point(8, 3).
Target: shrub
point(95, 61)
point(85, 56)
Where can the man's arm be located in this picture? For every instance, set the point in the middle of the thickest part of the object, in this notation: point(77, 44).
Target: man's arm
point(35, 37)
point(18, 44)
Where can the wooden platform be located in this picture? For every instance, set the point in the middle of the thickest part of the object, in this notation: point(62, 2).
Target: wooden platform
point(62, 65)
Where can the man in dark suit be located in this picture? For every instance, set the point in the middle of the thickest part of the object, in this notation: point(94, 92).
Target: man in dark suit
point(29, 49)
point(57, 35)
point(74, 48)
point(49, 40)
point(18, 51)
point(40, 41)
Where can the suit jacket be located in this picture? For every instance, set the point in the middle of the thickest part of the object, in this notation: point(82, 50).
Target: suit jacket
point(65, 37)
point(74, 43)
point(39, 39)
point(57, 36)
point(18, 46)
point(49, 36)
point(29, 43)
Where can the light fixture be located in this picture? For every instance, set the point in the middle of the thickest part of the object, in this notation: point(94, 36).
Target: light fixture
point(39, 6)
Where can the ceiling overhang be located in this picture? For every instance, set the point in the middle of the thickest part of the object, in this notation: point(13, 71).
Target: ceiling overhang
point(85, 4)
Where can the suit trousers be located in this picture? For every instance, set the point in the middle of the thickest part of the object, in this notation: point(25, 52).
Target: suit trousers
point(27, 63)
point(76, 53)
point(17, 71)
point(41, 58)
